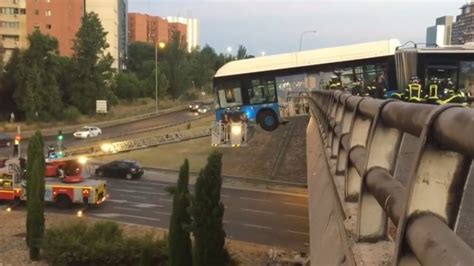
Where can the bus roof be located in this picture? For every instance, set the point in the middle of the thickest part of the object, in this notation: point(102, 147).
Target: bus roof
point(449, 49)
point(309, 58)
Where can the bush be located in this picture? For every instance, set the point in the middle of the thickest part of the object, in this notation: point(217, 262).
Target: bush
point(189, 96)
point(101, 244)
point(71, 113)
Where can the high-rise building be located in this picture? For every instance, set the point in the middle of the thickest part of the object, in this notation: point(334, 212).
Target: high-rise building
point(60, 19)
point(145, 28)
point(192, 33)
point(463, 28)
point(179, 27)
point(113, 16)
point(440, 34)
point(12, 27)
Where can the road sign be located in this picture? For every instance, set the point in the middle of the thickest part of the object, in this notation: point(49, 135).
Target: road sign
point(101, 106)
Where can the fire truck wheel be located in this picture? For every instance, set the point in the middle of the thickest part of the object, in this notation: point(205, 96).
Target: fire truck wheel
point(268, 120)
point(63, 202)
point(129, 176)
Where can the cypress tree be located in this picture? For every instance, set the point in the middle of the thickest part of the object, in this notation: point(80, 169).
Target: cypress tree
point(208, 212)
point(179, 241)
point(35, 187)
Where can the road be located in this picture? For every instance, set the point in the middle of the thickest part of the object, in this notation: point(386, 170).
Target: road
point(262, 217)
point(111, 132)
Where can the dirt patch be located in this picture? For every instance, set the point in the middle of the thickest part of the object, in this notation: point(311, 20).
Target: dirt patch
point(13, 249)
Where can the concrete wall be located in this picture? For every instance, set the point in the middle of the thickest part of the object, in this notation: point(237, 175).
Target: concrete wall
point(328, 239)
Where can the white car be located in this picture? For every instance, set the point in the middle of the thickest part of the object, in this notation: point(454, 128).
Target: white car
point(204, 109)
point(88, 132)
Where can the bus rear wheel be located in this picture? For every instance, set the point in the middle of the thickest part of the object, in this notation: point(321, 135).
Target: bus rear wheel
point(268, 120)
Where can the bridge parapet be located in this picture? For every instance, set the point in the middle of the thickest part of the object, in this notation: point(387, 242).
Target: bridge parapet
point(365, 136)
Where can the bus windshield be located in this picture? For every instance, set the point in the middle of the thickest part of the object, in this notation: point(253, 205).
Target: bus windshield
point(229, 94)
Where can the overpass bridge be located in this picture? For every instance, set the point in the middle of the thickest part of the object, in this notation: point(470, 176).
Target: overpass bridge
point(389, 182)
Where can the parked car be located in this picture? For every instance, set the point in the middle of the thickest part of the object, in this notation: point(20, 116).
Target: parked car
point(5, 140)
point(204, 109)
point(87, 132)
point(121, 168)
point(193, 107)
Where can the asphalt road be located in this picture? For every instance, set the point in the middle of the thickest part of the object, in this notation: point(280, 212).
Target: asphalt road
point(110, 132)
point(262, 217)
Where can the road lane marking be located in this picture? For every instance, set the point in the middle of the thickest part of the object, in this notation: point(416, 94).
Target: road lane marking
point(126, 209)
point(295, 204)
point(258, 226)
point(225, 196)
point(115, 215)
point(146, 205)
point(164, 213)
point(254, 199)
point(297, 216)
point(297, 232)
point(139, 192)
point(257, 211)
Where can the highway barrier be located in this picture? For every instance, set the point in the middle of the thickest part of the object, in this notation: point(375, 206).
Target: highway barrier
point(365, 135)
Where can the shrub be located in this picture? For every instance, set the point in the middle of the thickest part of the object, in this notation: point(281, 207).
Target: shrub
point(71, 114)
point(101, 244)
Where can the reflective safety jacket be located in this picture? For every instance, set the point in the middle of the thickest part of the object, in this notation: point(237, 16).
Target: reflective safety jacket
point(414, 93)
point(433, 92)
point(454, 96)
point(335, 86)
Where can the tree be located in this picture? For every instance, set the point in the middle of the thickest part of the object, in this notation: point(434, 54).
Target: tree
point(208, 211)
point(241, 52)
point(35, 188)
point(202, 66)
point(37, 91)
point(178, 67)
point(141, 59)
point(8, 83)
point(127, 86)
point(179, 241)
point(93, 67)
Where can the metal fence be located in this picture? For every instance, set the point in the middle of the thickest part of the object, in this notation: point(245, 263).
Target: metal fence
point(364, 135)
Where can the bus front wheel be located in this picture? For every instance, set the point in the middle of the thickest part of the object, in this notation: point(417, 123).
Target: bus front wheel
point(268, 120)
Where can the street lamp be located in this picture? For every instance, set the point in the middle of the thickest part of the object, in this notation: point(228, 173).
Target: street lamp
point(160, 45)
point(229, 49)
point(306, 32)
point(262, 53)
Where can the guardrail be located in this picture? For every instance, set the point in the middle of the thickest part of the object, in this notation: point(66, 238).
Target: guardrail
point(96, 149)
point(365, 136)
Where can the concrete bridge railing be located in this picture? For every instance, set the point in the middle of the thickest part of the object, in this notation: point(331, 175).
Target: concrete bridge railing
point(364, 136)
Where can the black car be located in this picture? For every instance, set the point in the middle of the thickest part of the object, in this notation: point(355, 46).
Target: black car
point(127, 169)
point(5, 140)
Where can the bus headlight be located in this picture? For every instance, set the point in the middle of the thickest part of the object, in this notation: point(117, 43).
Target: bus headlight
point(236, 129)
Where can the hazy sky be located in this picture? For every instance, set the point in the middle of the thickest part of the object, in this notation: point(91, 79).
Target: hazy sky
point(274, 26)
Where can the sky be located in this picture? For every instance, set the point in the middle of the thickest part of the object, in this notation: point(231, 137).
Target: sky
point(275, 26)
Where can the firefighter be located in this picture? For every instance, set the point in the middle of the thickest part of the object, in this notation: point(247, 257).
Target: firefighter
point(414, 91)
point(453, 94)
point(358, 88)
point(51, 152)
point(433, 93)
point(379, 89)
point(61, 174)
point(335, 83)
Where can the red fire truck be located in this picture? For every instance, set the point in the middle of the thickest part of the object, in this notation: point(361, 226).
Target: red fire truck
point(66, 187)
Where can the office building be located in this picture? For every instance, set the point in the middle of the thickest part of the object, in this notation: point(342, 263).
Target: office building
point(60, 19)
point(12, 27)
point(440, 34)
point(193, 30)
point(154, 29)
point(113, 16)
point(463, 28)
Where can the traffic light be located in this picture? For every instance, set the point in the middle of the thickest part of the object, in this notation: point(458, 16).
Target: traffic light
point(17, 139)
point(60, 135)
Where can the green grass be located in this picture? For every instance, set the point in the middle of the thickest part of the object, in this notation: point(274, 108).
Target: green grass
point(171, 156)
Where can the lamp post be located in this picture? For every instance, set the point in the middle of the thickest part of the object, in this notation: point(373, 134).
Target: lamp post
point(262, 53)
point(305, 32)
point(161, 45)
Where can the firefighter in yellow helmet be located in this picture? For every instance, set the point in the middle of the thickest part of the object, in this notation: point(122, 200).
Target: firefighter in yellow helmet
point(335, 83)
point(452, 94)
